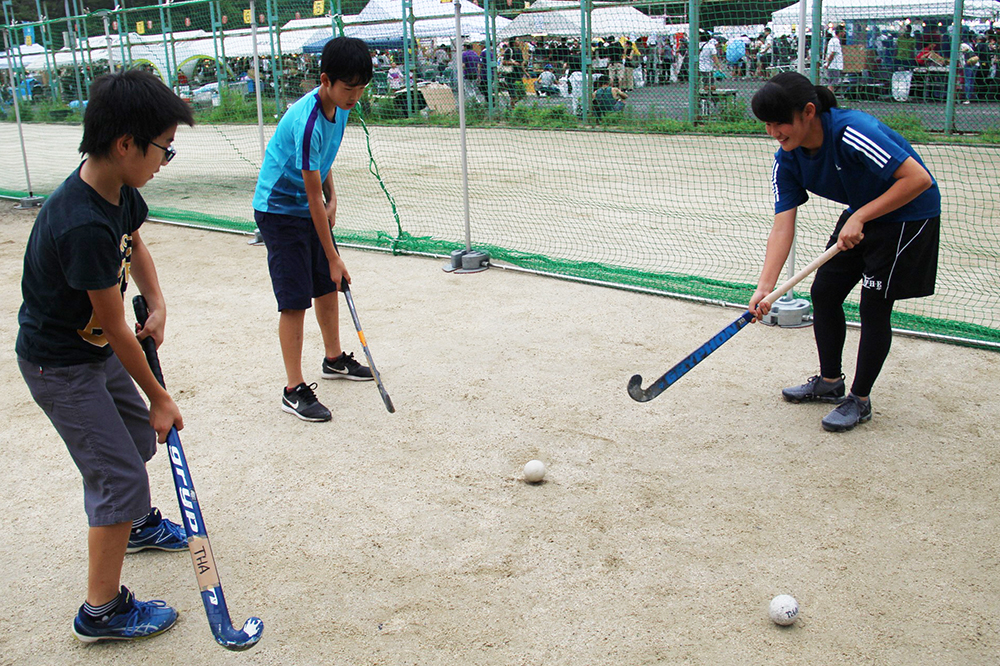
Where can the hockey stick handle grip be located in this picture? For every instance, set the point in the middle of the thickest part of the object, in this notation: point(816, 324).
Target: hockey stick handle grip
point(148, 344)
point(786, 286)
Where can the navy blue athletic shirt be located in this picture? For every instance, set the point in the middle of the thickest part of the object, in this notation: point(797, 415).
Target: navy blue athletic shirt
point(80, 242)
point(853, 166)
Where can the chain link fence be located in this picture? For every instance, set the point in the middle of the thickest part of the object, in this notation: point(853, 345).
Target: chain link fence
point(608, 142)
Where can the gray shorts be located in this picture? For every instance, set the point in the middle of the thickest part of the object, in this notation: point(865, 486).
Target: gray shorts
point(97, 410)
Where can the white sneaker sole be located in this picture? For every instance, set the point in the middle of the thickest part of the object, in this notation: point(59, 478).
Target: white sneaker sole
point(352, 378)
point(311, 419)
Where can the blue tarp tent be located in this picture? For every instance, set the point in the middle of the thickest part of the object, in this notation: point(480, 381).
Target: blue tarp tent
point(373, 44)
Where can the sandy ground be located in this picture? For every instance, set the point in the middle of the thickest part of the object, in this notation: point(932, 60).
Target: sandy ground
point(659, 535)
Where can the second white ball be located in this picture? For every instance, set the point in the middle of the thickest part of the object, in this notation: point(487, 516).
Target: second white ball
point(784, 609)
point(534, 471)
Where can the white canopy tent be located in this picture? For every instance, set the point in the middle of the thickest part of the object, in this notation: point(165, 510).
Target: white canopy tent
point(298, 32)
point(191, 45)
point(19, 52)
point(882, 10)
point(605, 20)
point(435, 19)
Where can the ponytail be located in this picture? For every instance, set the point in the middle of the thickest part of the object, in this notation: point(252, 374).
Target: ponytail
point(827, 100)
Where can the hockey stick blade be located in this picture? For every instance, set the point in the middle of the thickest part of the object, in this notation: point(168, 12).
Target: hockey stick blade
point(346, 288)
point(205, 570)
point(639, 394)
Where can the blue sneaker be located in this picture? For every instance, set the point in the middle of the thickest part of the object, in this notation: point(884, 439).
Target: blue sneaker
point(158, 533)
point(129, 620)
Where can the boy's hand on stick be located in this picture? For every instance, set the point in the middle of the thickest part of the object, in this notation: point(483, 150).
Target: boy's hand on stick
point(163, 415)
point(153, 328)
point(338, 271)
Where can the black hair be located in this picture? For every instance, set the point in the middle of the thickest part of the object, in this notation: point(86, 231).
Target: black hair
point(788, 93)
point(131, 102)
point(347, 59)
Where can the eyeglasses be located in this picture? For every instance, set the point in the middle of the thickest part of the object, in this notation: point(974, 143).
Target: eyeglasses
point(168, 152)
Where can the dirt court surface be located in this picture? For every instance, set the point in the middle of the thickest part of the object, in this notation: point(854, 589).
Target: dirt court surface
point(659, 535)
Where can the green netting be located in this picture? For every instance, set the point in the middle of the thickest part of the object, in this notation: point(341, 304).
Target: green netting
point(669, 192)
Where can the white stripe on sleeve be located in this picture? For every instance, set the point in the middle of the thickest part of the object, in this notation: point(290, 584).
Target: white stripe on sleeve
point(866, 146)
point(774, 181)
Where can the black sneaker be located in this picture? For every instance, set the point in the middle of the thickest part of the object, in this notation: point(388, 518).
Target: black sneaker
point(345, 367)
point(852, 411)
point(816, 388)
point(302, 402)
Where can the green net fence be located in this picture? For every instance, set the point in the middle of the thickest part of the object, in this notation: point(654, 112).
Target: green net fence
point(663, 185)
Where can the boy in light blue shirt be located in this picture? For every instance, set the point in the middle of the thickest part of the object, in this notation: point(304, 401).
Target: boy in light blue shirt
point(295, 207)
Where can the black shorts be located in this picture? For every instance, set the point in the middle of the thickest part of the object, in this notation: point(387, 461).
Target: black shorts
point(894, 260)
point(298, 265)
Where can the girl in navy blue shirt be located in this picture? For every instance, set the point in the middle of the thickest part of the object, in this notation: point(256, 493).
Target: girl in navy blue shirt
point(888, 234)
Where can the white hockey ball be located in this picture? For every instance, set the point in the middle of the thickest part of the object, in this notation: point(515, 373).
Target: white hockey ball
point(534, 471)
point(784, 609)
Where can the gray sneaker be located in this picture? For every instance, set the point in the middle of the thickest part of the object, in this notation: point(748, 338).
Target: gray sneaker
point(815, 388)
point(301, 401)
point(848, 414)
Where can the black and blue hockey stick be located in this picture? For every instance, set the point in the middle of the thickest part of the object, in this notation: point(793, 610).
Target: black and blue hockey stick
point(194, 526)
point(639, 394)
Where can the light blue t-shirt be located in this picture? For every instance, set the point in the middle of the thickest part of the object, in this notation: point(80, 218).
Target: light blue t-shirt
point(853, 166)
point(305, 140)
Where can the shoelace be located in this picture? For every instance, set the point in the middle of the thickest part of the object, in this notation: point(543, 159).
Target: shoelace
point(817, 382)
point(843, 407)
point(308, 392)
point(349, 361)
point(176, 530)
point(138, 608)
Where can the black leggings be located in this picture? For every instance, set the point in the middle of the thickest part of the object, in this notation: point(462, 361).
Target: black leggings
point(830, 329)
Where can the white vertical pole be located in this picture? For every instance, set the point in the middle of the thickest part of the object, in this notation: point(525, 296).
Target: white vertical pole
point(17, 110)
point(107, 43)
point(256, 79)
point(801, 54)
point(460, 72)
point(800, 67)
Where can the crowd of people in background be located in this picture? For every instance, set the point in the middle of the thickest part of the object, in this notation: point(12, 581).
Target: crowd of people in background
point(534, 66)
point(884, 52)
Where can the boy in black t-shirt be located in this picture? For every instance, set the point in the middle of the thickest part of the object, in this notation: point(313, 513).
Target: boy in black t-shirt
point(77, 353)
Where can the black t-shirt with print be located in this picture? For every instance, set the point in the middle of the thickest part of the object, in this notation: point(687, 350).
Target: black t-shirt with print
point(79, 242)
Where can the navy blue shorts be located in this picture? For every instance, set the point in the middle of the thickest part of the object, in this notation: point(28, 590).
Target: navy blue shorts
point(895, 260)
point(298, 265)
